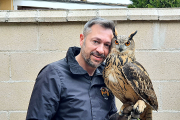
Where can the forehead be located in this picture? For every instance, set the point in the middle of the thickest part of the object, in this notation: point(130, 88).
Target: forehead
point(97, 27)
point(122, 38)
point(101, 32)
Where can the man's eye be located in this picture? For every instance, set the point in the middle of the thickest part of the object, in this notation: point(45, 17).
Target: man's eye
point(107, 45)
point(95, 41)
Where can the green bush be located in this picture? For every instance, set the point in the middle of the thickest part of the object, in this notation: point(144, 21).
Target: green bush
point(154, 3)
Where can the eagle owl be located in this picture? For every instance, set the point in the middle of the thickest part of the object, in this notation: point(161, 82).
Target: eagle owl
point(127, 78)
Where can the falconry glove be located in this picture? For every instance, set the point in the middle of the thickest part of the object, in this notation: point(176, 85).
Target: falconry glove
point(124, 115)
point(135, 115)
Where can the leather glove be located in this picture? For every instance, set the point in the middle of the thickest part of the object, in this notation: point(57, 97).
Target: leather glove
point(135, 115)
point(126, 113)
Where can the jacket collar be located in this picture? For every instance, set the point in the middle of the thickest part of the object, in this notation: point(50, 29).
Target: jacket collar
point(75, 68)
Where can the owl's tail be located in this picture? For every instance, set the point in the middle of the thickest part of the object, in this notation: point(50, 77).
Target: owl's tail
point(147, 114)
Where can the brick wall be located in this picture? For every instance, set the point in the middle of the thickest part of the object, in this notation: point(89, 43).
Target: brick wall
point(31, 39)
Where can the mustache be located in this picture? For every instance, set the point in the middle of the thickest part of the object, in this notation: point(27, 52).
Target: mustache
point(97, 54)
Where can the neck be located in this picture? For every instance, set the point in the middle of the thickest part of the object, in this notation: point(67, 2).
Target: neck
point(130, 58)
point(90, 70)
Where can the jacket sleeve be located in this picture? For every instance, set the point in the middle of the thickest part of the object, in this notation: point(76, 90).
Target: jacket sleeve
point(113, 107)
point(45, 97)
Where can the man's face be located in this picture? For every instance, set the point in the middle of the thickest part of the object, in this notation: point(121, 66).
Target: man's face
point(96, 47)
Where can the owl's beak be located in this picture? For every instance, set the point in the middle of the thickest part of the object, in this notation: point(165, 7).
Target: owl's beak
point(121, 47)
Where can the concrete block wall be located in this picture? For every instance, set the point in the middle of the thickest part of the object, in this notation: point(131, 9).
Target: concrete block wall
point(31, 39)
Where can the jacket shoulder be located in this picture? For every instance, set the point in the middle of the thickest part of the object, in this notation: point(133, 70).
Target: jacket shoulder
point(57, 65)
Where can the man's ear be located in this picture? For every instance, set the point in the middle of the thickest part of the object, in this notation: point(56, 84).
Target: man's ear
point(81, 39)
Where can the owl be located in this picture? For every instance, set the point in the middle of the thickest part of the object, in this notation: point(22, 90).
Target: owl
point(127, 79)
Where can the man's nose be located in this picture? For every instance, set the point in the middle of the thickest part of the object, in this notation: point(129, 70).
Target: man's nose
point(100, 49)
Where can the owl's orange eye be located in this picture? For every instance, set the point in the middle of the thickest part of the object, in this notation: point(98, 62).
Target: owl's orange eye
point(128, 43)
point(116, 42)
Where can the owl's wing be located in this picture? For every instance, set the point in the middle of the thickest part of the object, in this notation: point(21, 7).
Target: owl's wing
point(139, 80)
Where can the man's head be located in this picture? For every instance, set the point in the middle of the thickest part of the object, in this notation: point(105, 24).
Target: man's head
point(107, 24)
point(96, 40)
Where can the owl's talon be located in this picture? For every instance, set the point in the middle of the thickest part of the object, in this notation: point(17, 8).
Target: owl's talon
point(121, 113)
point(136, 111)
point(139, 107)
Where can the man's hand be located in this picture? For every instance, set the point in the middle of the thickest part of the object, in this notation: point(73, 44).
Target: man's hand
point(125, 115)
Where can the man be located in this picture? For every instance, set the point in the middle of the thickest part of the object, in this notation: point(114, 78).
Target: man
point(73, 88)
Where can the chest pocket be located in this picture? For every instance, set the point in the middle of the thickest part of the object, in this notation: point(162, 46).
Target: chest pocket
point(105, 97)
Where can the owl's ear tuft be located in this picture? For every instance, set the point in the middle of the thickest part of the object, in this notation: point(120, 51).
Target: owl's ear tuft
point(115, 32)
point(132, 35)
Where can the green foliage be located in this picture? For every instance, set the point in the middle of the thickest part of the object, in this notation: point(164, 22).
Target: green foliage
point(154, 3)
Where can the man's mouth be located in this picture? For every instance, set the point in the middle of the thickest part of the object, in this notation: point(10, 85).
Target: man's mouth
point(98, 56)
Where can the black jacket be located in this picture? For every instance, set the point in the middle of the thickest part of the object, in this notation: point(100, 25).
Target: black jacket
point(64, 91)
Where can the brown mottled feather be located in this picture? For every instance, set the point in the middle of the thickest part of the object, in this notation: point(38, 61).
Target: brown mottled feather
point(139, 80)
